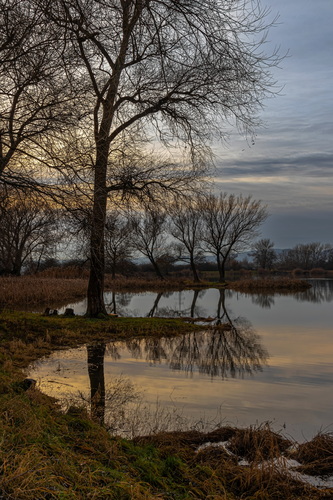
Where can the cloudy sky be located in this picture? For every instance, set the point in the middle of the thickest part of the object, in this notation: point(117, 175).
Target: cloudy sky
point(290, 166)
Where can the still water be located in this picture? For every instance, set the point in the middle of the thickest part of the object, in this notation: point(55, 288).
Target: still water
point(273, 364)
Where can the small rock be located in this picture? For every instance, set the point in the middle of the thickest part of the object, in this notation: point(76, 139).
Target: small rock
point(69, 312)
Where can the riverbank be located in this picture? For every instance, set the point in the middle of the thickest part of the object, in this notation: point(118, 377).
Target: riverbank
point(48, 454)
point(38, 292)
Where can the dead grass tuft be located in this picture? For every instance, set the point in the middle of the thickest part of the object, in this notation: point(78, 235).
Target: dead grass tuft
point(316, 456)
point(258, 444)
point(215, 457)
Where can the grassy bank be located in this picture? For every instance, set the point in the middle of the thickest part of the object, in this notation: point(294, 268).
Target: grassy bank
point(46, 454)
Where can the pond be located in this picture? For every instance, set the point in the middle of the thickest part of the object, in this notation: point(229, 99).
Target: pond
point(272, 364)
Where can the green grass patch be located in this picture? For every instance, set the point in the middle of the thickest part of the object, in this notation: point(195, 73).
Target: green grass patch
point(25, 337)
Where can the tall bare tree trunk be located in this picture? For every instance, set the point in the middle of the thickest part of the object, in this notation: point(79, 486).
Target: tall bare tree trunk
point(194, 270)
point(95, 293)
point(221, 268)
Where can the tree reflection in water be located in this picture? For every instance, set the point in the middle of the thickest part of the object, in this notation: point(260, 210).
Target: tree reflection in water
point(264, 300)
point(96, 353)
point(321, 291)
point(229, 348)
point(113, 398)
point(155, 305)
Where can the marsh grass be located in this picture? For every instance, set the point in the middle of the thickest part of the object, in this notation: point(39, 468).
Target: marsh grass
point(217, 459)
point(270, 285)
point(316, 456)
point(30, 291)
point(56, 290)
point(25, 337)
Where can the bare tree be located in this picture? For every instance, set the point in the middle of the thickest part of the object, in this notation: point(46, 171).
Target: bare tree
point(181, 66)
point(150, 236)
point(264, 254)
point(118, 241)
point(186, 227)
point(28, 230)
point(230, 223)
point(36, 99)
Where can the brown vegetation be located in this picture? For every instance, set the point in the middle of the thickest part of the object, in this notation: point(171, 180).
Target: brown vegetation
point(269, 285)
point(250, 463)
point(57, 287)
point(28, 291)
point(316, 456)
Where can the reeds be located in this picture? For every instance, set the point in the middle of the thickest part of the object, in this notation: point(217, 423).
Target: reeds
point(58, 287)
point(243, 463)
point(269, 285)
point(316, 456)
point(26, 291)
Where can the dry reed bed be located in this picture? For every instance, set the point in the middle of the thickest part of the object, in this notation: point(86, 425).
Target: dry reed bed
point(64, 286)
point(254, 461)
point(25, 291)
point(270, 285)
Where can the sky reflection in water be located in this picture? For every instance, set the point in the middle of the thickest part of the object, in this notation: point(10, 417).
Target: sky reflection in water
point(273, 364)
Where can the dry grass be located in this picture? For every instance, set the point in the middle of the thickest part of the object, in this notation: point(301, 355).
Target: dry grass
point(65, 272)
point(222, 468)
point(269, 285)
point(258, 444)
point(316, 456)
point(27, 291)
point(54, 290)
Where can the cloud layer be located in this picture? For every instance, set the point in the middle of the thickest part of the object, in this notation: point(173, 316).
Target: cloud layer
point(290, 165)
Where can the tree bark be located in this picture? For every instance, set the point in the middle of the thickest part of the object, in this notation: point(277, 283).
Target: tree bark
point(157, 269)
point(194, 270)
point(95, 292)
point(221, 269)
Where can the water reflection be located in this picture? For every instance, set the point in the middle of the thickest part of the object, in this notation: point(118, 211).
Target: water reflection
point(227, 349)
point(230, 348)
point(321, 291)
point(190, 372)
point(263, 300)
point(200, 303)
point(96, 353)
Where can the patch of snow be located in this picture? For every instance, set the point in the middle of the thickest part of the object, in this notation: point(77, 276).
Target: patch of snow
point(288, 465)
point(243, 462)
point(220, 444)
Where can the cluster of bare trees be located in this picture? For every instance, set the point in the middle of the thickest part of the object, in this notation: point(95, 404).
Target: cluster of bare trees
point(263, 254)
point(89, 88)
point(219, 225)
point(28, 231)
point(307, 256)
point(304, 256)
point(183, 231)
